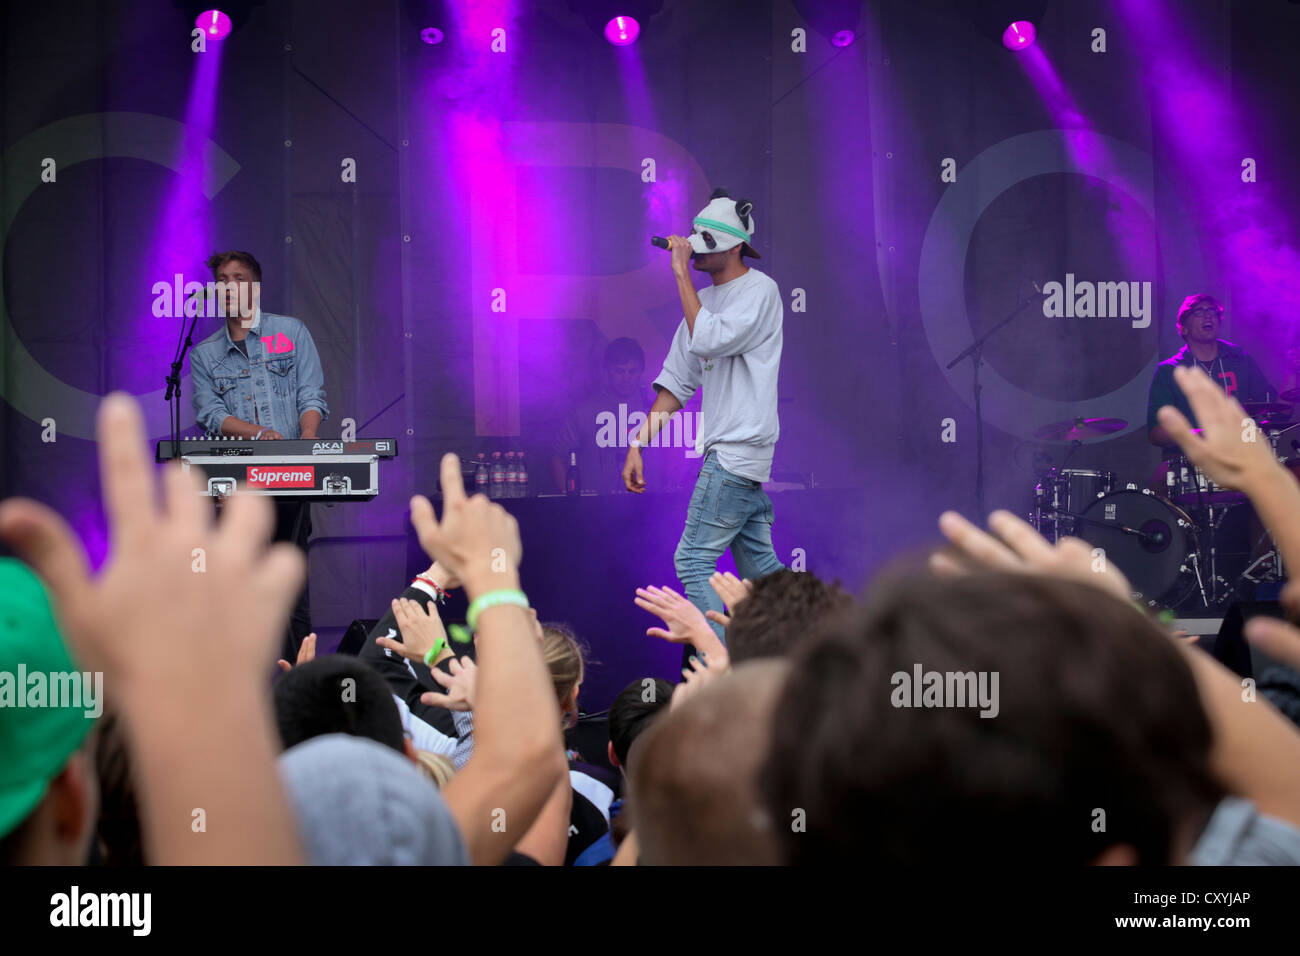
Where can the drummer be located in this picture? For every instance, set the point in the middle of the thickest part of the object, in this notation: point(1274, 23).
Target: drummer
point(1199, 320)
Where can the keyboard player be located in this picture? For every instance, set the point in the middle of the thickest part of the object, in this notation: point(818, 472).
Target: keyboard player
point(259, 376)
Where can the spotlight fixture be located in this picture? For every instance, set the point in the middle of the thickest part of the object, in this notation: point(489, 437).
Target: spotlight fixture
point(431, 35)
point(622, 31)
point(1019, 35)
point(835, 20)
point(619, 21)
point(990, 18)
point(214, 23)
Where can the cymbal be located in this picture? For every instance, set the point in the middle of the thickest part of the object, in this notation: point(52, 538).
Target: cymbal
point(1080, 429)
point(1277, 410)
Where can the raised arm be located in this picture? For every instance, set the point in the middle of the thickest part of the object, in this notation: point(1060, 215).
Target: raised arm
point(168, 640)
point(518, 750)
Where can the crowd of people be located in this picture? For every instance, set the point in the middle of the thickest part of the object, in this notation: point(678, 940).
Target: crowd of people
point(1008, 698)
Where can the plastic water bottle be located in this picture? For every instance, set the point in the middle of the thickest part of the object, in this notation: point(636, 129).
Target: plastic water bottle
point(521, 486)
point(498, 485)
point(572, 480)
point(481, 476)
point(512, 476)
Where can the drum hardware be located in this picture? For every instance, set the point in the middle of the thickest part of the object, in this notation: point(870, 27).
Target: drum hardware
point(1271, 561)
point(1080, 429)
point(1200, 582)
point(1277, 411)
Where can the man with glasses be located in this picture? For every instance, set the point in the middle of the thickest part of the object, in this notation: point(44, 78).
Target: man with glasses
point(1199, 320)
point(729, 344)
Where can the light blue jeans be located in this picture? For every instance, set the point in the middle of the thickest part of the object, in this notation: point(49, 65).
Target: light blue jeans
point(726, 511)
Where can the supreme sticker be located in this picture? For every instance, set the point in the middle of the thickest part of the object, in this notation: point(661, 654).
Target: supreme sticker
point(289, 476)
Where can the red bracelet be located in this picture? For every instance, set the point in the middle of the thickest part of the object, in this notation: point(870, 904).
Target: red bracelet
point(441, 594)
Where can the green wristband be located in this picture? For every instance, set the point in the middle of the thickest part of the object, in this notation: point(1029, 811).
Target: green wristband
point(434, 651)
point(492, 599)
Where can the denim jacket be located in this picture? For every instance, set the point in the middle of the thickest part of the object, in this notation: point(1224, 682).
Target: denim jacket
point(279, 380)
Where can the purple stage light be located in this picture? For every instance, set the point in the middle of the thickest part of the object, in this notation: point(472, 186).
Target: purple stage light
point(622, 31)
point(431, 35)
point(843, 37)
point(214, 23)
point(1019, 36)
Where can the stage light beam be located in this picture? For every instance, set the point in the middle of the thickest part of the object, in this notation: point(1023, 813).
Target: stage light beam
point(214, 23)
point(1019, 36)
point(622, 31)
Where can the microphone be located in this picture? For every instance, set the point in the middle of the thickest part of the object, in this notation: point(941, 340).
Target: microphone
point(662, 243)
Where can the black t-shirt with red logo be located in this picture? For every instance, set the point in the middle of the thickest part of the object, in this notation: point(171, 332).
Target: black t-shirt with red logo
point(1233, 369)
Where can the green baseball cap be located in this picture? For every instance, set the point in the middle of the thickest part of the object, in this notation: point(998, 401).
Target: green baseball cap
point(43, 716)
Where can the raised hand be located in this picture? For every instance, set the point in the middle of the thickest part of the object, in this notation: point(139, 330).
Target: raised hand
point(421, 628)
point(181, 603)
point(680, 251)
point(730, 588)
point(685, 623)
point(1230, 448)
point(1014, 545)
point(477, 540)
point(460, 685)
point(184, 611)
point(306, 652)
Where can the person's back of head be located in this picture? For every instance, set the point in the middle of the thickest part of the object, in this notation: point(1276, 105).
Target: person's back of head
point(437, 768)
point(781, 609)
point(632, 711)
point(359, 804)
point(997, 716)
point(48, 795)
point(121, 842)
point(694, 774)
point(336, 694)
point(562, 654)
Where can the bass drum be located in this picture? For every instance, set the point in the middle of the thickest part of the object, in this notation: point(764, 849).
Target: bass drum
point(1148, 538)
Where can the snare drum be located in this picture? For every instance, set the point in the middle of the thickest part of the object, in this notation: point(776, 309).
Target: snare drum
point(1063, 494)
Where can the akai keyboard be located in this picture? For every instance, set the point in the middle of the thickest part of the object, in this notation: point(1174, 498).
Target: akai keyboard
point(286, 467)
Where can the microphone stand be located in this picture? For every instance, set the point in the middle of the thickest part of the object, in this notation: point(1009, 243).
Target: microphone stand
point(173, 396)
point(975, 350)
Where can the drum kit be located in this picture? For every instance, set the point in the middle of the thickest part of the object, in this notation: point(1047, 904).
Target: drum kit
point(1184, 542)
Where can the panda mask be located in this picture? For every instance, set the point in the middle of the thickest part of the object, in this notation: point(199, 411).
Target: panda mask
point(723, 224)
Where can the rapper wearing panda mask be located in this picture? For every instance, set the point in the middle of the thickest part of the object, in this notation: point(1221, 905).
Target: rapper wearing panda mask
point(729, 345)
